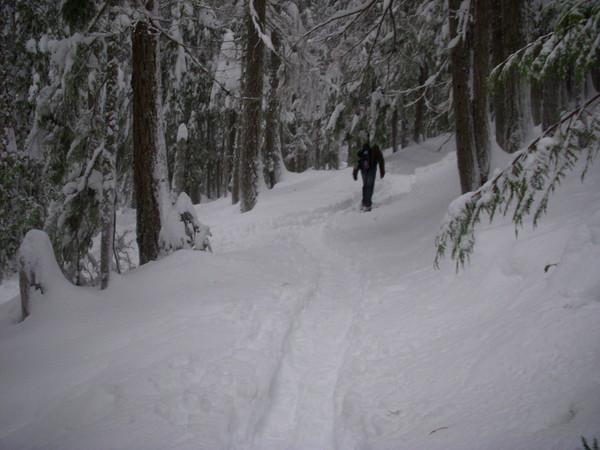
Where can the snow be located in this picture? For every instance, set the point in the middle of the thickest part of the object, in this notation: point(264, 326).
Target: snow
point(335, 116)
point(315, 326)
point(182, 132)
point(37, 260)
point(228, 69)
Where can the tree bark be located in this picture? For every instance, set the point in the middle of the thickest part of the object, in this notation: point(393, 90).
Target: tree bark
point(232, 166)
point(461, 66)
point(551, 101)
point(498, 56)
point(514, 93)
point(481, 70)
point(420, 107)
point(395, 129)
point(145, 136)
point(272, 146)
point(109, 153)
point(178, 184)
point(252, 99)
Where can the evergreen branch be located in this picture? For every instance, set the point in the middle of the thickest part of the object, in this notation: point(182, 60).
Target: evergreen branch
point(539, 168)
point(357, 12)
point(573, 44)
point(194, 59)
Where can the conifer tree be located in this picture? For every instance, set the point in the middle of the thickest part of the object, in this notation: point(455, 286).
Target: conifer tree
point(109, 150)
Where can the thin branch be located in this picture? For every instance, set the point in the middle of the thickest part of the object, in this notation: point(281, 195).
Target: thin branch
point(358, 11)
point(193, 58)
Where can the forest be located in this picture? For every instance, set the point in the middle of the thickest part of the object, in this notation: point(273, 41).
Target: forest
point(185, 263)
point(159, 105)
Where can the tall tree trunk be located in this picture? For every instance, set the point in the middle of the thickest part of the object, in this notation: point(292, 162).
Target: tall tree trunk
point(537, 91)
point(232, 168)
point(420, 107)
point(461, 67)
point(109, 152)
point(481, 69)
point(551, 101)
point(395, 129)
point(178, 184)
point(515, 92)
point(498, 56)
point(145, 87)
point(252, 99)
point(272, 159)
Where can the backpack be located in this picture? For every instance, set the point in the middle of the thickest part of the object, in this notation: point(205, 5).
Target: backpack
point(363, 159)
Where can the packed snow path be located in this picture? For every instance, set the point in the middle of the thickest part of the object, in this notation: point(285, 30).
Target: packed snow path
point(313, 325)
point(302, 413)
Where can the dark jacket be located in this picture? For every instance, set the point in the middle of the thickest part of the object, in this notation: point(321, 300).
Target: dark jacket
point(375, 159)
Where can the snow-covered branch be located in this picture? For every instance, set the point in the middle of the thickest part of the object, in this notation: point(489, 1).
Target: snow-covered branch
point(527, 183)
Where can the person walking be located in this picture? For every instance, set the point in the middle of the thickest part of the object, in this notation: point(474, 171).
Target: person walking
point(368, 160)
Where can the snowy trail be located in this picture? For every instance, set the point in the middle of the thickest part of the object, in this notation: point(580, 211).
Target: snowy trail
point(302, 413)
point(315, 326)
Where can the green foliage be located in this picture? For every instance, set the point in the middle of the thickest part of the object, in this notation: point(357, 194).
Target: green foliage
point(525, 186)
point(74, 221)
point(571, 45)
point(22, 203)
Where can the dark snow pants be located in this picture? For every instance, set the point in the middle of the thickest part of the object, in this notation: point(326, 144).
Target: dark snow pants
point(368, 177)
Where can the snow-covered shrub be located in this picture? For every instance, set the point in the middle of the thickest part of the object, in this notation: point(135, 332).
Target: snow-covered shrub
point(182, 229)
point(37, 266)
point(21, 204)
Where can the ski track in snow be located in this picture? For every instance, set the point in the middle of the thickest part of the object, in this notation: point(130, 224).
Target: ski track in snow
point(314, 349)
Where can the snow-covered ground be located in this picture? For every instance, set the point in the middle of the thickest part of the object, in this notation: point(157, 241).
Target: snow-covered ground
point(315, 326)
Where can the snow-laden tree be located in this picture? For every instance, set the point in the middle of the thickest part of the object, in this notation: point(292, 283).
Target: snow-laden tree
point(25, 30)
point(67, 132)
point(386, 70)
point(110, 146)
point(82, 131)
point(225, 101)
point(523, 189)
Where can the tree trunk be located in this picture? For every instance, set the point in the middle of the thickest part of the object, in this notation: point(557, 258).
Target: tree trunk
point(109, 152)
point(498, 56)
point(420, 107)
point(232, 168)
point(236, 169)
point(272, 147)
point(395, 130)
point(252, 99)
point(481, 69)
point(178, 184)
point(551, 101)
point(145, 86)
point(461, 66)
point(515, 90)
